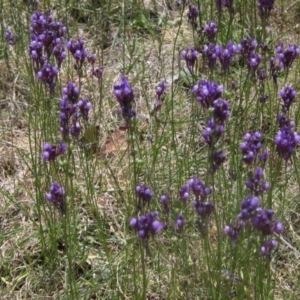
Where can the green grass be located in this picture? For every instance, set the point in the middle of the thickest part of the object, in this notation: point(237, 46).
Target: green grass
point(91, 252)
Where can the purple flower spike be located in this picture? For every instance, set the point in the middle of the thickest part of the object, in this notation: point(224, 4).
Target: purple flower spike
point(56, 196)
point(84, 107)
point(233, 231)
point(221, 110)
point(265, 7)
point(10, 37)
point(207, 92)
point(190, 56)
point(256, 184)
point(226, 54)
point(254, 60)
point(212, 132)
point(78, 52)
point(164, 200)
point(146, 225)
point(48, 74)
point(203, 209)
point(210, 30)
point(180, 222)
point(251, 146)
point(248, 46)
point(288, 96)
point(218, 158)
point(199, 189)
point(184, 193)
point(51, 151)
point(286, 141)
point(211, 53)
point(193, 14)
point(144, 193)
point(71, 92)
point(124, 94)
point(97, 72)
point(267, 247)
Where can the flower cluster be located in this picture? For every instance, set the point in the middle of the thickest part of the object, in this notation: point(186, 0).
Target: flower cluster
point(47, 39)
point(286, 140)
point(56, 196)
point(190, 56)
point(224, 54)
point(257, 185)
point(207, 92)
point(144, 193)
point(288, 96)
point(124, 94)
point(193, 14)
point(253, 215)
point(160, 95)
point(251, 146)
point(264, 8)
point(78, 52)
point(196, 187)
point(283, 59)
point(210, 30)
point(224, 3)
point(71, 111)
point(10, 37)
point(51, 151)
point(147, 225)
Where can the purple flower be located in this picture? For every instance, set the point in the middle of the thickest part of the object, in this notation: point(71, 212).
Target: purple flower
point(160, 95)
point(207, 92)
point(59, 52)
point(144, 193)
point(226, 54)
point(286, 141)
point(248, 208)
point(147, 225)
point(190, 56)
point(52, 151)
point(265, 7)
point(193, 14)
point(251, 146)
point(10, 37)
point(124, 94)
point(180, 222)
point(199, 189)
point(203, 209)
point(288, 96)
point(248, 46)
point(233, 231)
point(78, 52)
point(56, 196)
point(84, 107)
point(218, 157)
point(268, 246)
point(212, 132)
point(256, 184)
point(210, 30)
point(221, 110)
point(71, 92)
point(91, 58)
point(97, 72)
point(48, 74)
point(254, 61)
point(262, 74)
point(164, 200)
point(211, 53)
point(184, 193)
